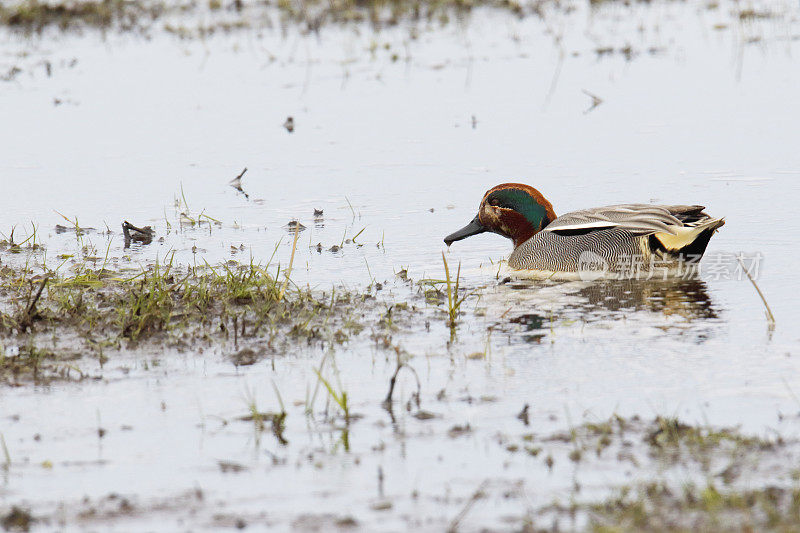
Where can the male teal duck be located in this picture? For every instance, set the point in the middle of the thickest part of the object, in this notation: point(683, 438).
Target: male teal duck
point(613, 238)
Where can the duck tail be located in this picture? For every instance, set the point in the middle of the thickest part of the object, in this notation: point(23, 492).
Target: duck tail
point(690, 240)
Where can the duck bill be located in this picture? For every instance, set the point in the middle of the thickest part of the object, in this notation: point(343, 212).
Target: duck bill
point(473, 228)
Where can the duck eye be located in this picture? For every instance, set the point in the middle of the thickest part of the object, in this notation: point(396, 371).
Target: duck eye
point(494, 202)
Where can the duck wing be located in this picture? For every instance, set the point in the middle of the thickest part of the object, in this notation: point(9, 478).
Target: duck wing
point(638, 219)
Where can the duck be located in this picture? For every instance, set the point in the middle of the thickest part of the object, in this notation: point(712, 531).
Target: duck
point(616, 240)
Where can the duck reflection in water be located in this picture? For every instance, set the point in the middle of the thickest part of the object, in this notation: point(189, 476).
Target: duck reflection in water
point(609, 301)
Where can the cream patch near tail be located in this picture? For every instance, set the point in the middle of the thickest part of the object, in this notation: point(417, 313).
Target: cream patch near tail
point(684, 236)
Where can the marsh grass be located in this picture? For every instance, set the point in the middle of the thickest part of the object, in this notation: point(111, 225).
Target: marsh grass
point(140, 16)
point(655, 506)
point(690, 477)
point(445, 292)
point(767, 310)
point(33, 15)
point(453, 300)
point(291, 262)
point(259, 419)
point(279, 419)
point(97, 311)
point(339, 398)
point(30, 240)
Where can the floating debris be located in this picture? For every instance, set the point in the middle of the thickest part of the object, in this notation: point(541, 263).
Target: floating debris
point(236, 183)
point(289, 124)
point(458, 431)
point(383, 505)
point(318, 213)
point(294, 224)
point(11, 74)
point(626, 51)
point(245, 357)
point(18, 519)
point(231, 467)
point(523, 415)
point(133, 234)
point(79, 230)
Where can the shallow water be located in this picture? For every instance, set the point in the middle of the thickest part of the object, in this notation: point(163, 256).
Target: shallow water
point(695, 115)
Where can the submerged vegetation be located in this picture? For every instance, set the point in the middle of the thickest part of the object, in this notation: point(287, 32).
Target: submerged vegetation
point(657, 507)
point(685, 477)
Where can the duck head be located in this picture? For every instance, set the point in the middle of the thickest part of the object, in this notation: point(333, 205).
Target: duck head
point(513, 210)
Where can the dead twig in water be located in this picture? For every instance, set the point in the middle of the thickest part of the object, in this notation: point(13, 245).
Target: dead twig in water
point(6, 455)
point(32, 307)
point(387, 403)
point(26, 320)
point(477, 495)
point(236, 183)
point(596, 100)
point(770, 316)
point(291, 260)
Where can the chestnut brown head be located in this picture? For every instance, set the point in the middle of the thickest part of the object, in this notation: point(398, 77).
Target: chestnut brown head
point(513, 210)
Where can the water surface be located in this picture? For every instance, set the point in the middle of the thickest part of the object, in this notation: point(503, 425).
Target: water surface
point(401, 140)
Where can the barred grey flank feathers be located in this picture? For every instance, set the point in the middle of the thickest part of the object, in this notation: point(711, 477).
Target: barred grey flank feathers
point(613, 233)
point(561, 253)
